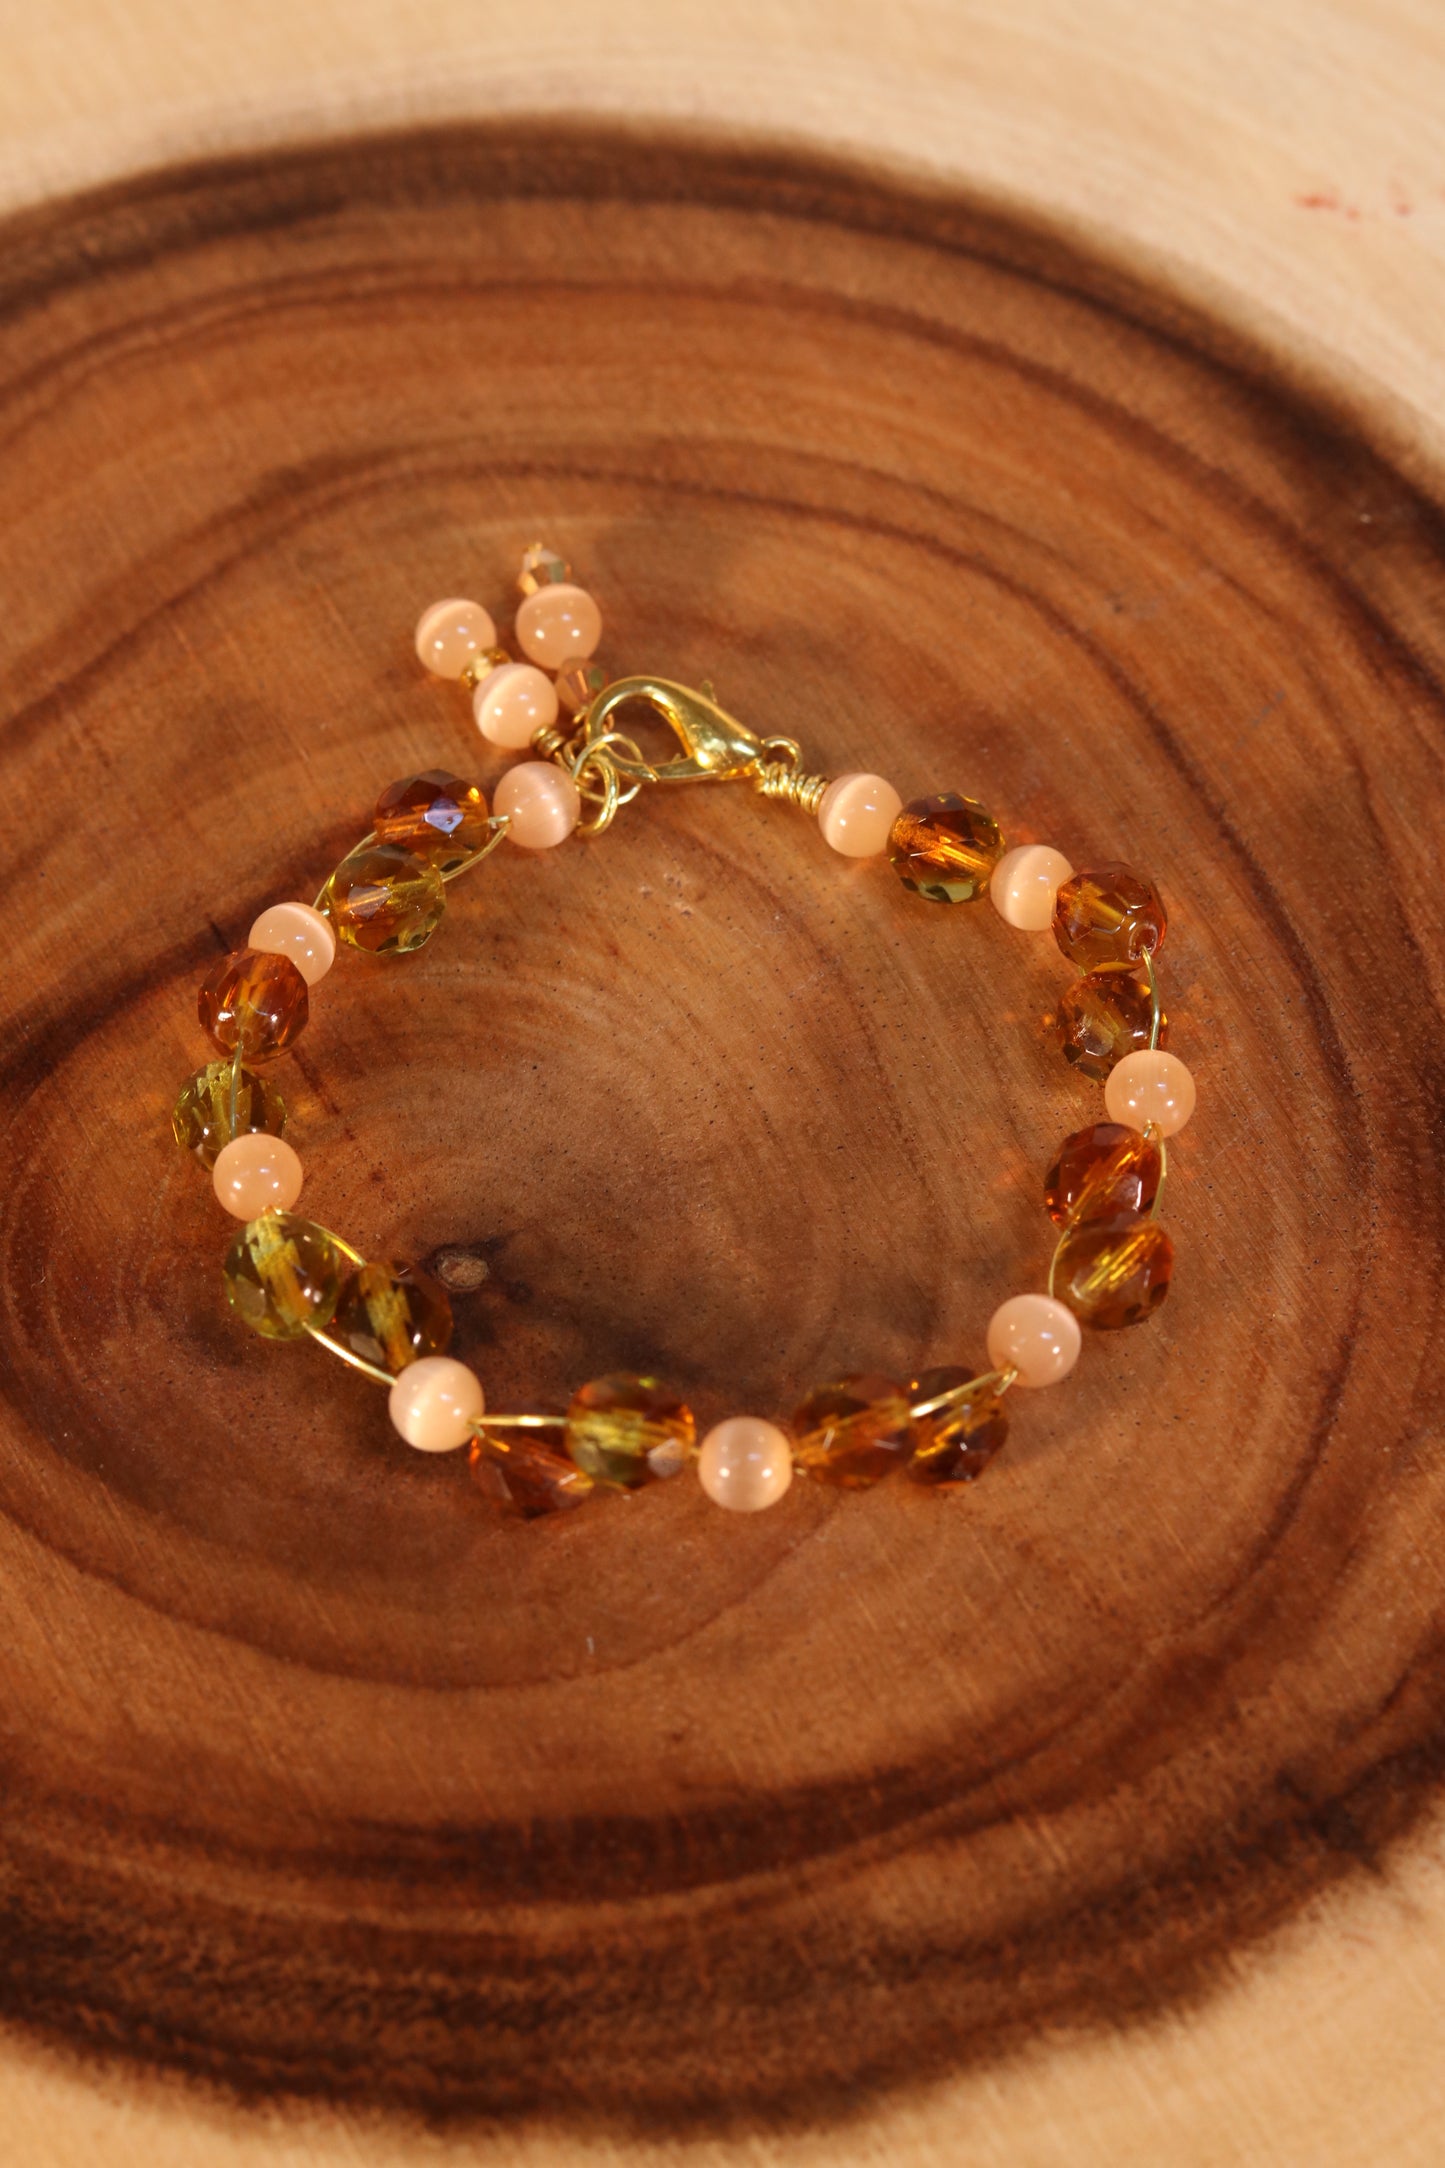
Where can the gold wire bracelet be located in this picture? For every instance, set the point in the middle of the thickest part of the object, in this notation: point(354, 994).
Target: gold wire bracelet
point(289, 1278)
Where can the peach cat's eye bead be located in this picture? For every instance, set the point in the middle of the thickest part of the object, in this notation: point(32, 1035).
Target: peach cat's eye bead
point(385, 900)
point(1150, 1090)
point(1036, 1336)
point(202, 1117)
point(513, 703)
point(255, 1001)
point(434, 1403)
point(745, 1464)
point(255, 1174)
point(856, 814)
point(297, 931)
point(558, 625)
point(1109, 918)
point(1025, 883)
point(451, 633)
point(945, 847)
point(541, 802)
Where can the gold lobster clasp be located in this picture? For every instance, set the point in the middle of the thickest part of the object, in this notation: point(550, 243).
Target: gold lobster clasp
point(715, 748)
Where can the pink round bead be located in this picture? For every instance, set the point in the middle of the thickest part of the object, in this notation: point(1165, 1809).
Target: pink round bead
point(450, 633)
point(434, 1402)
point(295, 930)
point(1025, 883)
point(1150, 1087)
point(541, 802)
point(856, 814)
point(745, 1464)
point(1036, 1336)
point(559, 625)
point(513, 702)
point(255, 1174)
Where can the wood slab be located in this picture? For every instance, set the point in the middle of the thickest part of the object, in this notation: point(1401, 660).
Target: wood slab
point(322, 1783)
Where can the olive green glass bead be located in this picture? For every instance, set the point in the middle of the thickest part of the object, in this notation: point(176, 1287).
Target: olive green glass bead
point(283, 1274)
point(202, 1116)
point(384, 899)
point(629, 1430)
point(392, 1315)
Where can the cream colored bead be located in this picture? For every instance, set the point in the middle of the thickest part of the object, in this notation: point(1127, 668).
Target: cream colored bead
point(1036, 1336)
point(450, 633)
point(541, 802)
point(559, 625)
point(1150, 1087)
point(856, 814)
point(512, 702)
point(295, 930)
point(434, 1402)
point(255, 1174)
point(1024, 884)
point(745, 1464)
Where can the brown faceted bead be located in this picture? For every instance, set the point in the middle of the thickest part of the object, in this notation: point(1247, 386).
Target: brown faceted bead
point(955, 1445)
point(1113, 1272)
point(1109, 919)
point(525, 1476)
point(854, 1432)
point(1103, 1172)
point(392, 1314)
point(628, 1430)
point(542, 567)
point(254, 1001)
point(202, 1117)
point(437, 816)
point(1104, 1016)
point(385, 900)
point(945, 847)
point(579, 684)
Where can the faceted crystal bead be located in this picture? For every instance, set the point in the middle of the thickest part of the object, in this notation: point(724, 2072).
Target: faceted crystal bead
point(854, 1432)
point(437, 816)
point(579, 684)
point(541, 567)
point(1102, 1172)
point(385, 900)
point(283, 1274)
point(629, 1430)
point(255, 1001)
point(955, 1445)
point(522, 1474)
point(392, 1315)
point(945, 847)
point(202, 1117)
point(1113, 1272)
point(1104, 1016)
point(1109, 919)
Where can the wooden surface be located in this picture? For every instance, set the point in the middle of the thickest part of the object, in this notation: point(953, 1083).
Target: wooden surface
point(323, 1788)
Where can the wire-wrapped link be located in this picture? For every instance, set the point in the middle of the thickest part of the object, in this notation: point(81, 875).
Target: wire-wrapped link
point(550, 743)
point(780, 779)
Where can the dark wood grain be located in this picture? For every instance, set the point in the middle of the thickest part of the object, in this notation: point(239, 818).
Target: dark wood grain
point(317, 1776)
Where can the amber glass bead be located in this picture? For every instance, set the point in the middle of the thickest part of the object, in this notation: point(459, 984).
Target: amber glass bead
point(854, 1432)
point(255, 1001)
point(391, 1315)
point(945, 847)
point(579, 684)
point(1102, 1172)
point(629, 1430)
point(1104, 1016)
point(283, 1274)
point(524, 1475)
point(542, 567)
point(1109, 919)
point(202, 1117)
point(385, 900)
point(954, 1446)
point(437, 816)
point(1113, 1272)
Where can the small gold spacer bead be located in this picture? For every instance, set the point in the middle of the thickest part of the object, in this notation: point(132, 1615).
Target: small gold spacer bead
point(482, 665)
point(780, 780)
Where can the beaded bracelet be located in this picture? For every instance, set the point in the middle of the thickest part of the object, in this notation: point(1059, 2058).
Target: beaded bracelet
point(289, 1278)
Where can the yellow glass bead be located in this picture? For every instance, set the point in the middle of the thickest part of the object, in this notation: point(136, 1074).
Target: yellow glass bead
point(392, 1315)
point(629, 1430)
point(955, 1444)
point(283, 1274)
point(1104, 1016)
point(253, 1000)
point(1109, 919)
point(1113, 1272)
point(854, 1432)
point(541, 567)
point(384, 900)
point(202, 1117)
point(945, 847)
point(524, 1475)
point(436, 816)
